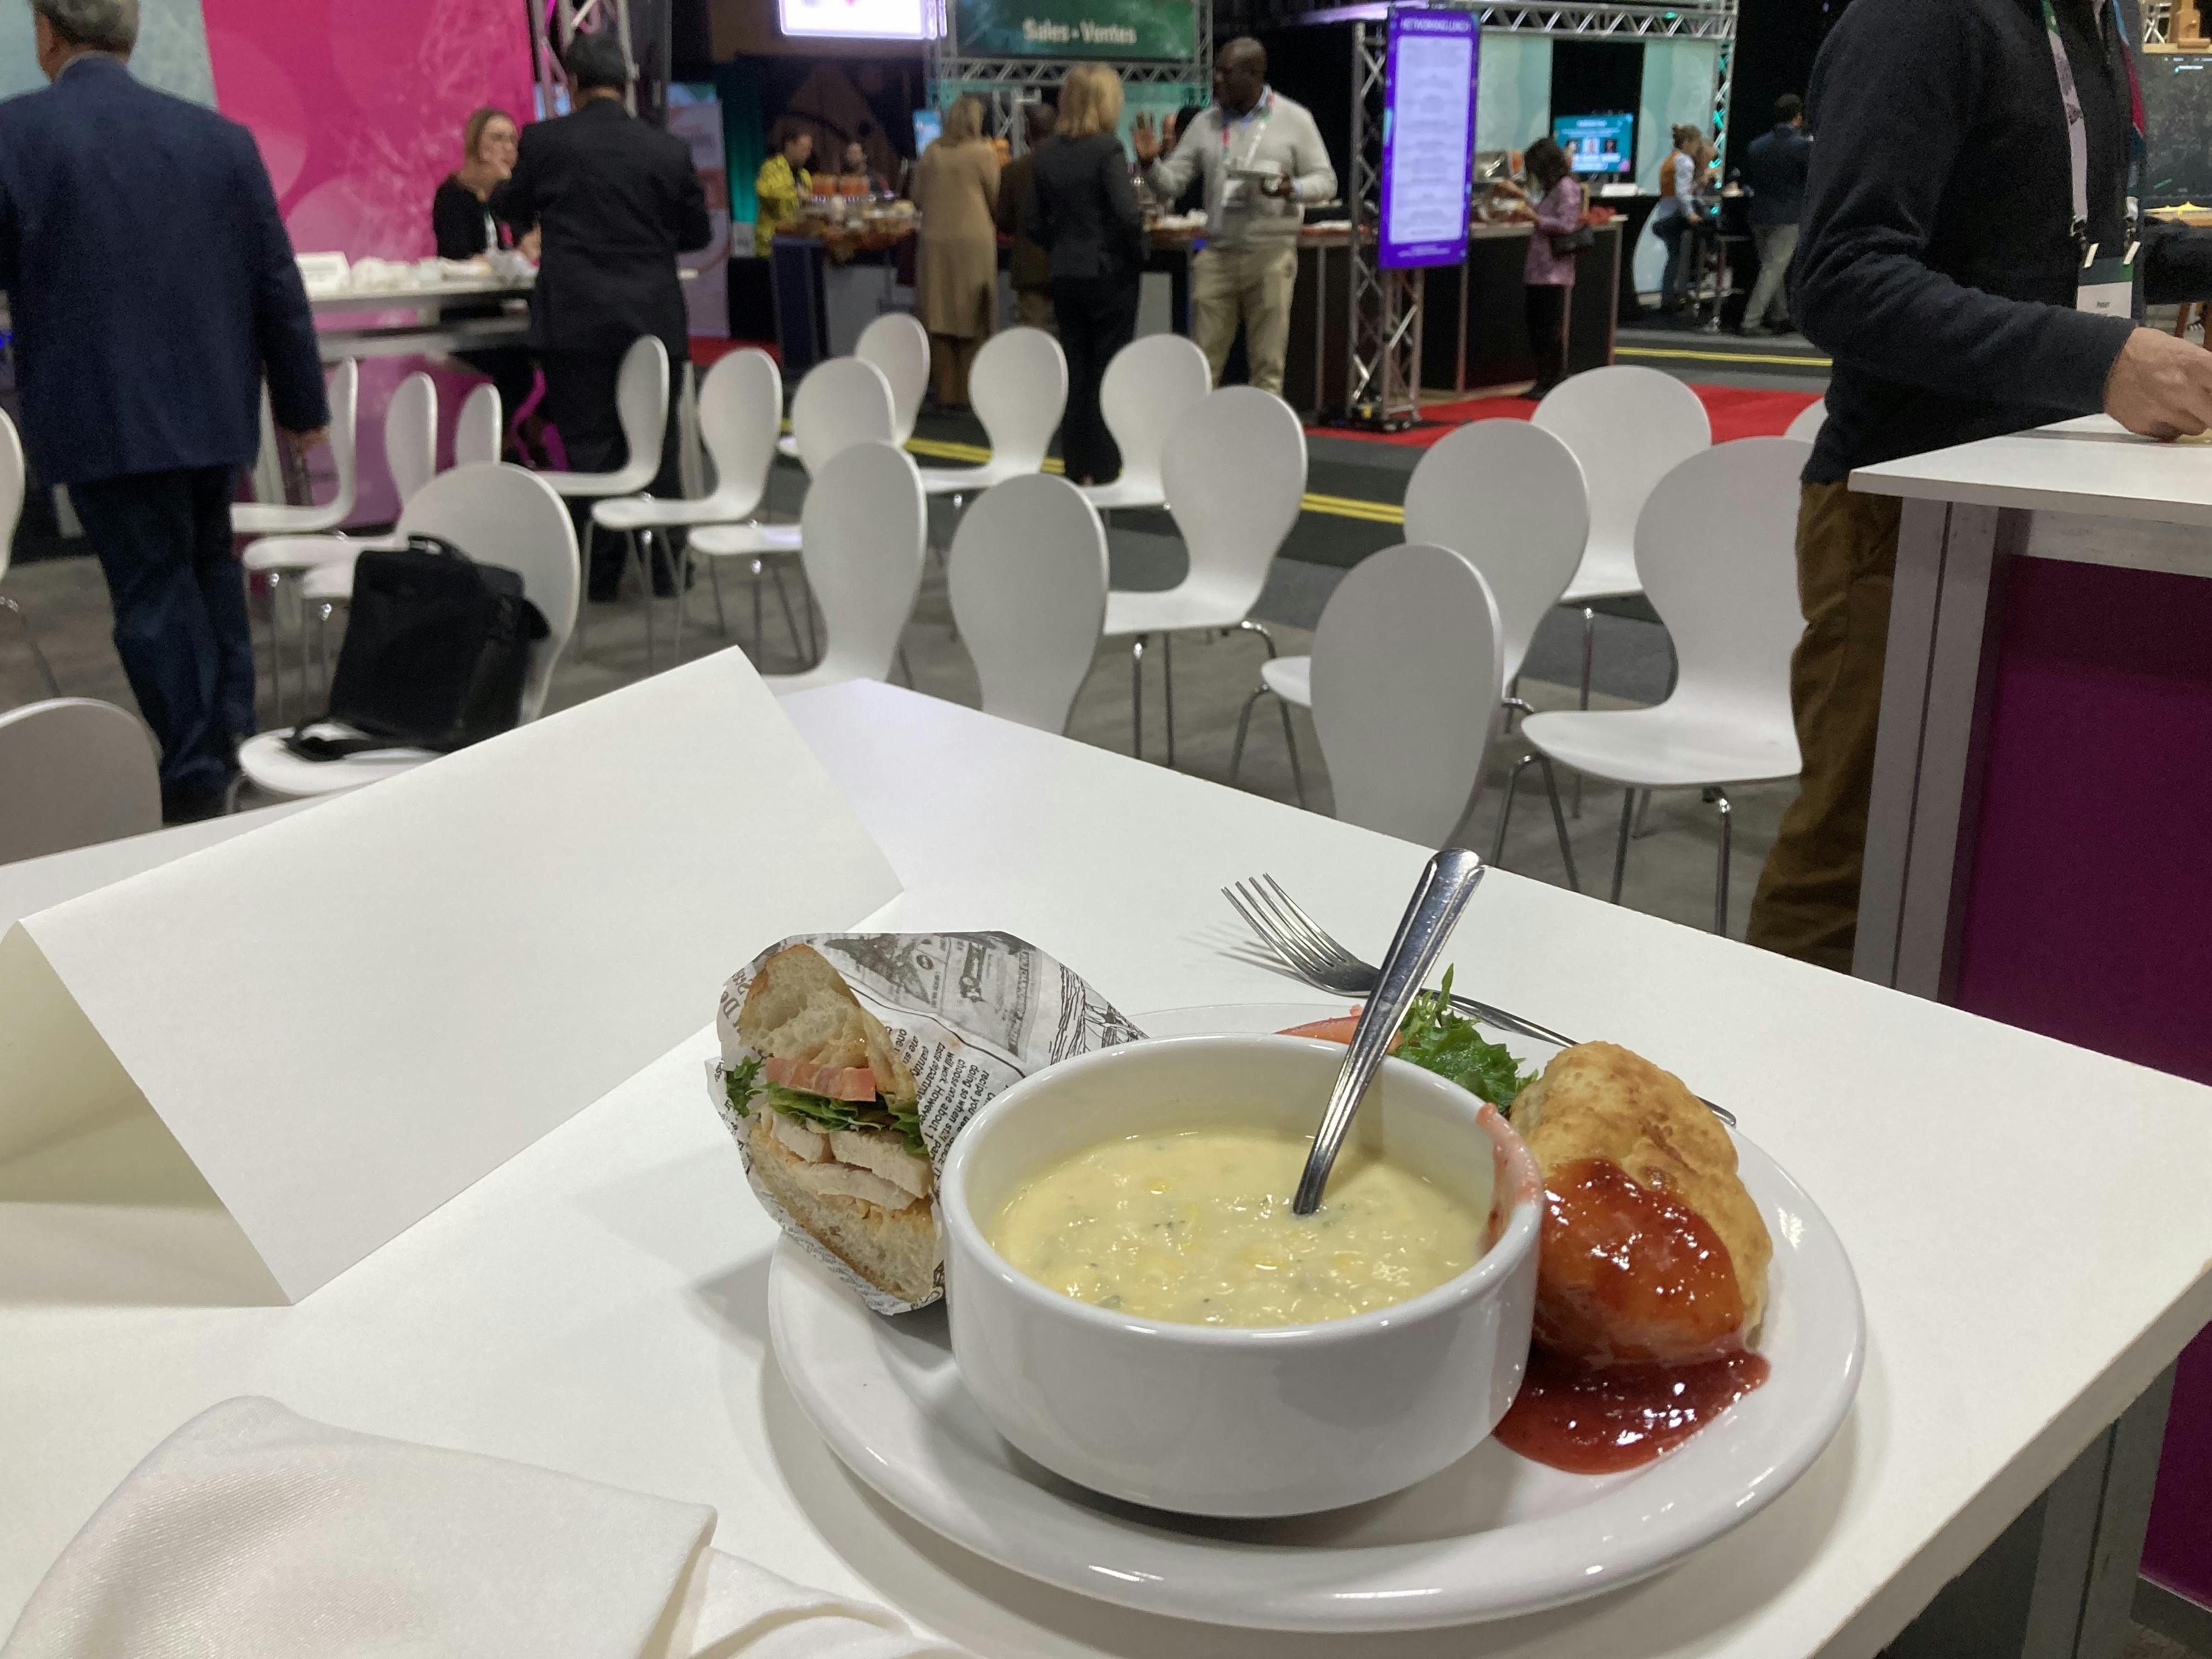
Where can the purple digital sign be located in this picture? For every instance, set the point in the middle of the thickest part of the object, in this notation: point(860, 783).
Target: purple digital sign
point(1428, 137)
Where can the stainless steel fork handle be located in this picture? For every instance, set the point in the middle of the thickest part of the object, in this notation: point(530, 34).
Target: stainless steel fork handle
point(1442, 893)
point(1490, 1015)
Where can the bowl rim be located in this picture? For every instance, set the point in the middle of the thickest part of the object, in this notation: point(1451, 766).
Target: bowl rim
point(1485, 1277)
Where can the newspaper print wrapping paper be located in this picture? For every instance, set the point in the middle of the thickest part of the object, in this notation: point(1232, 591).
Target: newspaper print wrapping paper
point(971, 1014)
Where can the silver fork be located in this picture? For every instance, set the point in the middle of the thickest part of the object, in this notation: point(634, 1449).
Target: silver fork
point(1314, 955)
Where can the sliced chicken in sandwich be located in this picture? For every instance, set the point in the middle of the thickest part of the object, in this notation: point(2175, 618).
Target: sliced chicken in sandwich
point(833, 1124)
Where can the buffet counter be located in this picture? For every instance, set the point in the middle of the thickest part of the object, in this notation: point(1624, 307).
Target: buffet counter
point(1474, 331)
point(825, 294)
point(463, 314)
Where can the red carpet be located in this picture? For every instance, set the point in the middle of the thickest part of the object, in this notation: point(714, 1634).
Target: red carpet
point(1735, 411)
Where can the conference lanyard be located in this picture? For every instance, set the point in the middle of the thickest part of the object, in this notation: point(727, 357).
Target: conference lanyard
point(1257, 115)
point(2105, 286)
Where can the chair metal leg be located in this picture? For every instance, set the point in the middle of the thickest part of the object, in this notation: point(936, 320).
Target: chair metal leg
point(584, 583)
point(1248, 626)
point(1290, 743)
point(907, 669)
point(806, 651)
point(634, 559)
point(1559, 822)
point(276, 644)
point(760, 644)
point(1643, 811)
point(715, 575)
point(1620, 852)
point(681, 562)
point(1137, 697)
point(1590, 655)
point(1721, 879)
point(31, 639)
point(813, 633)
point(1243, 726)
point(1167, 673)
point(1505, 809)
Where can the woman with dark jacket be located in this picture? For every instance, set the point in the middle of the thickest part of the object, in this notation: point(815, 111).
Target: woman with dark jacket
point(462, 221)
point(1548, 274)
point(1083, 211)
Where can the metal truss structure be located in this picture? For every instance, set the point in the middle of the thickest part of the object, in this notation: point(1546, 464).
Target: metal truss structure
point(1382, 363)
point(554, 24)
point(1005, 83)
point(1697, 19)
point(1382, 378)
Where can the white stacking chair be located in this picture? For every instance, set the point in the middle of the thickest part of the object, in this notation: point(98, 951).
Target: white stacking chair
point(499, 515)
point(480, 429)
point(864, 524)
point(12, 476)
point(641, 406)
point(1510, 497)
point(1019, 389)
point(1236, 475)
point(740, 407)
point(1629, 427)
point(72, 772)
point(1028, 586)
point(1408, 650)
point(1713, 551)
point(843, 401)
point(1810, 419)
point(477, 439)
point(1149, 387)
point(282, 519)
point(410, 456)
point(897, 343)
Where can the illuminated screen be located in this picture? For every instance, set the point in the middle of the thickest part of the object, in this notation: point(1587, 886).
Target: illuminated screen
point(1597, 143)
point(928, 128)
point(868, 19)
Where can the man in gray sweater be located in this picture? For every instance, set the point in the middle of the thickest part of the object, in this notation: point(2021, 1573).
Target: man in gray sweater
point(1261, 159)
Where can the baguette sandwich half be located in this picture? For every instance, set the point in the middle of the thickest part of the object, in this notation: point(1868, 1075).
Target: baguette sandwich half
point(833, 1124)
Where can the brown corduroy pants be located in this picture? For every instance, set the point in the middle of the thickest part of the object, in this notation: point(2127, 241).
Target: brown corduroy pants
point(1808, 901)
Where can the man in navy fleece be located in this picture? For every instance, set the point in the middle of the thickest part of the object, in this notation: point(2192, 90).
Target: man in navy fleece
point(1939, 263)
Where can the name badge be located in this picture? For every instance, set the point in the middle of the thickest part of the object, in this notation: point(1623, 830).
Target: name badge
point(2107, 288)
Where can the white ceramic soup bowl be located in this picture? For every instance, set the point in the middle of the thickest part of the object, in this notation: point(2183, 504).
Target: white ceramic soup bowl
point(1220, 1421)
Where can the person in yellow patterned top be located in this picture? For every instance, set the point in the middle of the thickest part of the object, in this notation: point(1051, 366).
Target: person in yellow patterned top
point(783, 182)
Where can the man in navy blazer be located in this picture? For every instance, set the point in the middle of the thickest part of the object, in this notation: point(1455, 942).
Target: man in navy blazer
point(151, 283)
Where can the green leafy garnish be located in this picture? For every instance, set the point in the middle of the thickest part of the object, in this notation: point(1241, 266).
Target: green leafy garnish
point(1437, 1039)
point(742, 1084)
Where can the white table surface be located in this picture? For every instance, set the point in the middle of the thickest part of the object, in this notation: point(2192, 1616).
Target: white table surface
point(2091, 466)
point(2026, 1221)
point(432, 294)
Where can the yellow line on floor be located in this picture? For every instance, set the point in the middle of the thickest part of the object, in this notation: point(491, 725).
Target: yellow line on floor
point(1341, 507)
point(1721, 356)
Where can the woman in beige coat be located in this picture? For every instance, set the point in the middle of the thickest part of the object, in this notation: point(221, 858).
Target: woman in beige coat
point(956, 187)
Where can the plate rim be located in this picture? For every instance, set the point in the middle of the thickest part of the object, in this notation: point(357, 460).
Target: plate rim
point(951, 1510)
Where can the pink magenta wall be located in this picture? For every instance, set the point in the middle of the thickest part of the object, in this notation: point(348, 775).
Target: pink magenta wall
point(2086, 914)
point(358, 110)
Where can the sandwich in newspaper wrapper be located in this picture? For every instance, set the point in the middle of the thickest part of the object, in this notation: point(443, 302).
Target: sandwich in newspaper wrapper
point(850, 1061)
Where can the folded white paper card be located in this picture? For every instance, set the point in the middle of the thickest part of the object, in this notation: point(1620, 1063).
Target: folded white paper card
point(349, 1015)
point(252, 1532)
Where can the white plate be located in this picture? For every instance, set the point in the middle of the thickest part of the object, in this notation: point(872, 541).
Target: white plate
point(1493, 1536)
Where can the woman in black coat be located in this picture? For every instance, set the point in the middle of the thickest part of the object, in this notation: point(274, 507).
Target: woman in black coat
point(1083, 211)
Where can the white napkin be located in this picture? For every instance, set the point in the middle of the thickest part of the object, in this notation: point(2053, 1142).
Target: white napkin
point(254, 1532)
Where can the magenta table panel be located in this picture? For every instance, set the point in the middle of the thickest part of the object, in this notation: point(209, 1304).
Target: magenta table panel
point(2089, 913)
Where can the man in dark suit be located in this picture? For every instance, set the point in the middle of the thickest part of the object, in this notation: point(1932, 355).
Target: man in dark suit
point(151, 281)
point(1776, 170)
point(618, 201)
